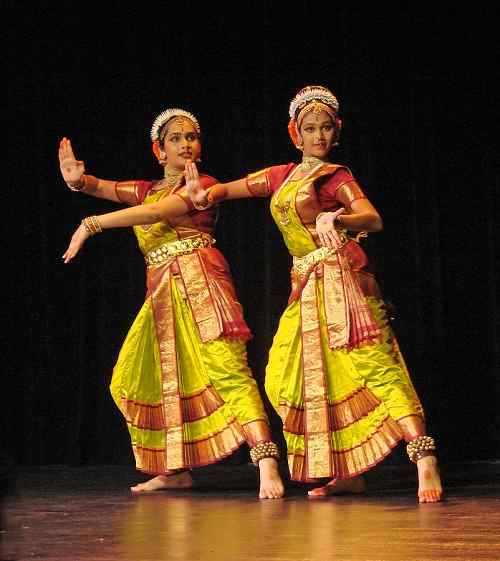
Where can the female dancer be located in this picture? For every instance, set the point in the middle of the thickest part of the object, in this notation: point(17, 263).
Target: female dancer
point(181, 379)
point(335, 374)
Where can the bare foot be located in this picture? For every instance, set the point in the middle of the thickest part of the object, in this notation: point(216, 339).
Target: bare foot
point(181, 480)
point(429, 482)
point(355, 485)
point(271, 486)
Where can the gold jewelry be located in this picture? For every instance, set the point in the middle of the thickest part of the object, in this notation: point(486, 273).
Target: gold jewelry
point(309, 162)
point(201, 206)
point(178, 247)
point(264, 450)
point(168, 114)
point(84, 182)
point(420, 447)
point(92, 225)
point(171, 178)
point(313, 93)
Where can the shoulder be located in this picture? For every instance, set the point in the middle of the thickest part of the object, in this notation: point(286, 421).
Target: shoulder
point(335, 175)
point(207, 180)
point(278, 174)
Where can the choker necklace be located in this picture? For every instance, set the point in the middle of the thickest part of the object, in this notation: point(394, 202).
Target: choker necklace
point(309, 162)
point(172, 178)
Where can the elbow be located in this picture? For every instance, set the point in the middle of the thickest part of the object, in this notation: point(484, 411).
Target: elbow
point(154, 213)
point(378, 225)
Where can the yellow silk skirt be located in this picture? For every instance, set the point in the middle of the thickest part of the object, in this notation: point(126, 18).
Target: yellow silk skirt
point(345, 420)
point(217, 398)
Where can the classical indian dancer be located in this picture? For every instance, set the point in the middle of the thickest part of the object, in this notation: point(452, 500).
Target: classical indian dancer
point(181, 380)
point(335, 373)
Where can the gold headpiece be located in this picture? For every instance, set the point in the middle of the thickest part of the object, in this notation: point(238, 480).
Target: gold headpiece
point(316, 94)
point(170, 114)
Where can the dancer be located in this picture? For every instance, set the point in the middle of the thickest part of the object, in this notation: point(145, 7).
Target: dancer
point(335, 373)
point(181, 379)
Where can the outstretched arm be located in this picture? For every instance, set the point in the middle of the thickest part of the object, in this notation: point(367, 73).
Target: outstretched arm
point(221, 191)
point(73, 171)
point(161, 211)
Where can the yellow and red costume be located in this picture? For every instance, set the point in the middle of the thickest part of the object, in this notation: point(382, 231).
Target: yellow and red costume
point(181, 379)
point(335, 374)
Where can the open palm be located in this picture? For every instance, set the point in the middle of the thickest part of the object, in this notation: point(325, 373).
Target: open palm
point(72, 169)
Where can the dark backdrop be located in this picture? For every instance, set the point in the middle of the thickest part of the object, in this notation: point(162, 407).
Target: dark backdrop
point(419, 107)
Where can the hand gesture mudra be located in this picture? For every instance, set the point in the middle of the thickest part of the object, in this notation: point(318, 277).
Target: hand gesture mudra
point(325, 227)
point(194, 188)
point(72, 169)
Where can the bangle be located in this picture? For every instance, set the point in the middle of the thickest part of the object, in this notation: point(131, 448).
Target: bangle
point(80, 186)
point(92, 225)
point(86, 181)
point(201, 206)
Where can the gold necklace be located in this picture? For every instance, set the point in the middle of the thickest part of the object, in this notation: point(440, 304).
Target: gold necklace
point(308, 162)
point(171, 179)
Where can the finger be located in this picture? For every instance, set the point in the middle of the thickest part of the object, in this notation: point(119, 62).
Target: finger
point(187, 170)
point(333, 239)
point(69, 148)
point(195, 171)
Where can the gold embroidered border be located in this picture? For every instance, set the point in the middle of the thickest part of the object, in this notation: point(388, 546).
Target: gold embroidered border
point(336, 304)
point(341, 413)
point(142, 415)
point(356, 460)
point(201, 405)
point(317, 441)
point(197, 454)
point(200, 299)
point(151, 416)
point(161, 298)
point(257, 431)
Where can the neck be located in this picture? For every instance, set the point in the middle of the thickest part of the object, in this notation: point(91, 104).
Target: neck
point(310, 162)
point(169, 171)
point(314, 159)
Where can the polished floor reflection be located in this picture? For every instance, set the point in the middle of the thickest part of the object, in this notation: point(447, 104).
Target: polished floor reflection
point(88, 514)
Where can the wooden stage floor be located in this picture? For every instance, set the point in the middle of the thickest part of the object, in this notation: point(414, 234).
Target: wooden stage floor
point(80, 514)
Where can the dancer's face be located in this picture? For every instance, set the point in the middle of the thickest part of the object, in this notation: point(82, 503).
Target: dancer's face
point(317, 133)
point(181, 142)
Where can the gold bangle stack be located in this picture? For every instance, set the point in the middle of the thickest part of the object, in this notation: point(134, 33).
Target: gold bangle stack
point(420, 447)
point(92, 225)
point(264, 450)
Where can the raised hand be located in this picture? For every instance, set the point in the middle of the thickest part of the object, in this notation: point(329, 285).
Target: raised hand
point(77, 240)
point(72, 169)
point(325, 227)
point(194, 188)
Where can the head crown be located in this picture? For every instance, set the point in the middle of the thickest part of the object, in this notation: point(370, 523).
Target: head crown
point(168, 114)
point(312, 93)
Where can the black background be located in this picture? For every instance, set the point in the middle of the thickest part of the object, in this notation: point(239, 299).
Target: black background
point(420, 108)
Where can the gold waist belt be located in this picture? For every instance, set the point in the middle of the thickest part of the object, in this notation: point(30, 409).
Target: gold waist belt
point(178, 247)
point(303, 265)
